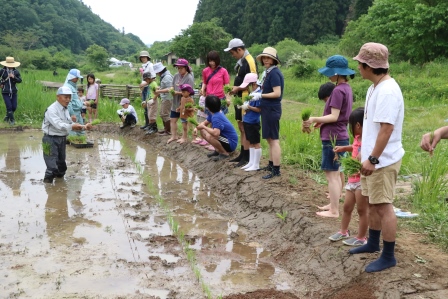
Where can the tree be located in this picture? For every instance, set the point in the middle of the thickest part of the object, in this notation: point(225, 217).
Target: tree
point(411, 29)
point(199, 39)
point(98, 56)
point(159, 49)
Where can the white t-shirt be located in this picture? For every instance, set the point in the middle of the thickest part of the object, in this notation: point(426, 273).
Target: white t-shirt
point(148, 68)
point(384, 104)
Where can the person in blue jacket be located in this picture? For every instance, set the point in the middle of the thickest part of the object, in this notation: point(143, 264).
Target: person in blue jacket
point(75, 105)
point(9, 77)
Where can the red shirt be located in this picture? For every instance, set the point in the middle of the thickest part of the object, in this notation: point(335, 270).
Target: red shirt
point(356, 147)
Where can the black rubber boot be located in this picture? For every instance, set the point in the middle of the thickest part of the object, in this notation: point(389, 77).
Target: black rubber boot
point(237, 159)
point(275, 172)
point(11, 118)
point(244, 158)
point(152, 128)
point(146, 121)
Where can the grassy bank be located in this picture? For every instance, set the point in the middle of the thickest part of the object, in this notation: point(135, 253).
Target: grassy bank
point(426, 102)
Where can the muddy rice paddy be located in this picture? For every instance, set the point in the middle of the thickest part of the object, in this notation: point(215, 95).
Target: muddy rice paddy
point(101, 233)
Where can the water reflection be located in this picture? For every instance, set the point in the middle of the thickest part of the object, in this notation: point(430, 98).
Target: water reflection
point(12, 174)
point(61, 226)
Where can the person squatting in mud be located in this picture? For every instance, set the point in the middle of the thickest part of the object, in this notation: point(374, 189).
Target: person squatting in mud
point(57, 124)
point(221, 135)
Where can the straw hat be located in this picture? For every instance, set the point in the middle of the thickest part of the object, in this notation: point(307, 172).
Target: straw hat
point(269, 52)
point(10, 62)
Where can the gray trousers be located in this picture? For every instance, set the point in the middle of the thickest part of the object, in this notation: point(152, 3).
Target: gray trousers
point(55, 157)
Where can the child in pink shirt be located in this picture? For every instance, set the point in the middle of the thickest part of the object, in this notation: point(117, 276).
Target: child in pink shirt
point(353, 189)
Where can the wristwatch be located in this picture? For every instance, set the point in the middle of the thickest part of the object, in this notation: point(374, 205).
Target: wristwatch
point(373, 160)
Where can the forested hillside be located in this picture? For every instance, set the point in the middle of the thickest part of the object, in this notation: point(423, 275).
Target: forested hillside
point(60, 24)
point(267, 21)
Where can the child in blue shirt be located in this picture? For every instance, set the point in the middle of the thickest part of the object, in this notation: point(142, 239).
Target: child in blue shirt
point(251, 123)
point(221, 135)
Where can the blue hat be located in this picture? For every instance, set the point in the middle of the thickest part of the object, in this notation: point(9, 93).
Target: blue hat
point(336, 65)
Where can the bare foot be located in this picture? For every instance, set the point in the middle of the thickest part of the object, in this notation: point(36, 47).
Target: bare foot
point(324, 208)
point(181, 141)
point(328, 195)
point(327, 214)
point(171, 139)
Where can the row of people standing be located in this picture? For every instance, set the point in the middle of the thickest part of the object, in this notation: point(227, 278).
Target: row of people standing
point(214, 78)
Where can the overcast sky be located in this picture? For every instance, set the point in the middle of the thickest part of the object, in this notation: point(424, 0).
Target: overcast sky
point(151, 20)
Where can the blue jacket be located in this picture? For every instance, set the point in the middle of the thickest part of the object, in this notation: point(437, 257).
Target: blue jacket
point(9, 84)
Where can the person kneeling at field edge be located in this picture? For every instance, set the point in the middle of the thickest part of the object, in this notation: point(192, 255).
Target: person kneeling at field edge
point(127, 114)
point(221, 135)
point(57, 124)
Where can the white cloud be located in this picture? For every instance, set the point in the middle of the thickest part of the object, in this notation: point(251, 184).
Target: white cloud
point(151, 20)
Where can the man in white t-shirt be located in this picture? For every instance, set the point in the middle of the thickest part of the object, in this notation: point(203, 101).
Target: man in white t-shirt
point(381, 152)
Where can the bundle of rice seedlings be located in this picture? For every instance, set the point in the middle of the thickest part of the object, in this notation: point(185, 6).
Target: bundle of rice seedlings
point(247, 98)
point(95, 122)
point(306, 113)
point(351, 166)
point(333, 140)
point(92, 102)
point(227, 88)
point(46, 148)
point(77, 139)
point(201, 108)
point(237, 101)
point(189, 105)
point(193, 121)
point(172, 91)
point(223, 103)
point(125, 113)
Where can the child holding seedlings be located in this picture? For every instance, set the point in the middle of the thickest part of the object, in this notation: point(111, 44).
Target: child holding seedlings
point(323, 94)
point(183, 76)
point(127, 114)
point(82, 98)
point(353, 193)
point(152, 103)
point(147, 67)
point(92, 97)
point(251, 122)
point(333, 127)
point(186, 109)
point(221, 135)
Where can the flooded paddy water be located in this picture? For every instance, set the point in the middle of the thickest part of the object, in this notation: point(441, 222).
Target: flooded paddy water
point(100, 233)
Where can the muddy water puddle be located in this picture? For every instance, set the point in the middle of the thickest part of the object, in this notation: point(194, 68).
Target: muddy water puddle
point(99, 232)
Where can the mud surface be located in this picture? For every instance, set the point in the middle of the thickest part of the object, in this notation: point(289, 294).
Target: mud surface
point(100, 233)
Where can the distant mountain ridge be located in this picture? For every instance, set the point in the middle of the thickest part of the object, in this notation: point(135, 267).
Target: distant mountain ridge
point(64, 24)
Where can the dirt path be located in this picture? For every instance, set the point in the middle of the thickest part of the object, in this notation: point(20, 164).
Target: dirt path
point(320, 269)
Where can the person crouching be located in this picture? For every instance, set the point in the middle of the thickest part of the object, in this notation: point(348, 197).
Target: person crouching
point(127, 114)
point(221, 135)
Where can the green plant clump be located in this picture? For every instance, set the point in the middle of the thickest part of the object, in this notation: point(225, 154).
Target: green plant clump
point(189, 105)
point(237, 101)
point(46, 148)
point(227, 88)
point(193, 121)
point(95, 122)
point(306, 113)
point(351, 166)
point(77, 139)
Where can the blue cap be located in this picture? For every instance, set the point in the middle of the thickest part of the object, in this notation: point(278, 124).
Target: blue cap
point(336, 65)
point(75, 73)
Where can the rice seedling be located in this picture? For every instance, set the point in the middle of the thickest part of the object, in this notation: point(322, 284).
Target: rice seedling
point(247, 98)
point(306, 113)
point(91, 102)
point(333, 140)
point(199, 107)
point(227, 88)
point(95, 122)
point(172, 92)
point(189, 105)
point(351, 166)
point(46, 148)
point(223, 102)
point(77, 139)
point(193, 121)
point(282, 215)
point(237, 101)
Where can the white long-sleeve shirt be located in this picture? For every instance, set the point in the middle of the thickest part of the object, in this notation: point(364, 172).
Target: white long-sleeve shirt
point(130, 110)
point(57, 121)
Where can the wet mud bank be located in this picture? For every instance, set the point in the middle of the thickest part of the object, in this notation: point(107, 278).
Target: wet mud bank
point(299, 244)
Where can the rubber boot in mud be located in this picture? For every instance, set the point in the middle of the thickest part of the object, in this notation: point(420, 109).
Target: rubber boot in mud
point(146, 121)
